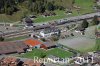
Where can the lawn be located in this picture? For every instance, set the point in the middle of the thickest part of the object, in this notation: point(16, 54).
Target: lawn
point(97, 46)
point(98, 41)
point(86, 5)
point(39, 52)
point(60, 15)
point(60, 53)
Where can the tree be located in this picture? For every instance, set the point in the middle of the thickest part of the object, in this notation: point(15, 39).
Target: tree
point(55, 38)
point(43, 39)
point(43, 55)
point(72, 34)
point(73, 2)
point(50, 6)
point(9, 11)
point(35, 8)
point(1, 38)
point(95, 20)
point(85, 24)
point(41, 7)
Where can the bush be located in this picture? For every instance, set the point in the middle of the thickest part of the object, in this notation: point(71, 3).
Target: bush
point(85, 24)
point(1, 39)
point(43, 39)
point(55, 38)
point(95, 20)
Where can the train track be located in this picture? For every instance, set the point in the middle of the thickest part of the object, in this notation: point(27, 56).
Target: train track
point(38, 27)
point(17, 33)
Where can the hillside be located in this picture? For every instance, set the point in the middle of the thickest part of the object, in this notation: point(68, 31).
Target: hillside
point(29, 7)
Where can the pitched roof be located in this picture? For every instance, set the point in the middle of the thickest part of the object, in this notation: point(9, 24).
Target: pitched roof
point(11, 47)
point(49, 30)
point(13, 61)
point(48, 44)
point(32, 42)
point(28, 20)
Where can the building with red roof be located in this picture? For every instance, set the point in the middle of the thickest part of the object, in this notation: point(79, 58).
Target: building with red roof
point(33, 43)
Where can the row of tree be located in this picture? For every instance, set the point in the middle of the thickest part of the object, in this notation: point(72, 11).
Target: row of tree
point(37, 6)
point(9, 6)
point(40, 6)
point(95, 21)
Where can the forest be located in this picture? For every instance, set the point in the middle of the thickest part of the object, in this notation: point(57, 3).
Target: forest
point(37, 6)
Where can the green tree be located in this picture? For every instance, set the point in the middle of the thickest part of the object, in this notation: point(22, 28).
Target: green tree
point(35, 8)
point(1, 38)
point(41, 7)
point(85, 24)
point(95, 20)
point(9, 11)
point(50, 6)
point(43, 55)
point(73, 2)
point(30, 5)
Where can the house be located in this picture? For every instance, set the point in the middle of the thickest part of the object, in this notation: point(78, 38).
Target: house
point(42, 27)
point(46, 14)
point(28, 22)
point(12, 47)
point(33, 43)
point(98, 18)
point(48, 45)
point(9, 61)
point(97, 31)
point(49, 32)
point(98, 2)
point(80, 30)
point(98, 34)
point(30, 62)
point(14, 61)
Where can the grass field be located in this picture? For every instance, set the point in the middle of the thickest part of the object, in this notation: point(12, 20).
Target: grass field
point(97, 47)
point(38, 52)
point(86, 7)
point(60, 15)
point(98, 41)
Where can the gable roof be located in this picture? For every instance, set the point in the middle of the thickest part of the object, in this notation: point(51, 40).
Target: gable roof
point(9, 61)
point(11, 47)
point(48, 44)
point(32, 42)
point(28, 20)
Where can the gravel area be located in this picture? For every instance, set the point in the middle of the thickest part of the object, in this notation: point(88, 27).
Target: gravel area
point(80, 42)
